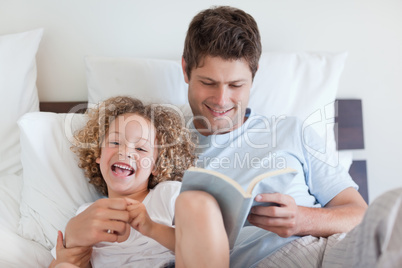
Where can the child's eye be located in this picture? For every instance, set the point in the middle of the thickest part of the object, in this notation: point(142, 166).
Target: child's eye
point(141, 149)
point(114, 143)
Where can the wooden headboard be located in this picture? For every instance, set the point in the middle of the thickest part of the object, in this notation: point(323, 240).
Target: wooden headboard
point(348, 133)
point(63, 107)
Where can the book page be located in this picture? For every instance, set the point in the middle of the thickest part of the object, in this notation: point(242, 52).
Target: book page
point(270, 174)
point(276, 184)
point(268, 185)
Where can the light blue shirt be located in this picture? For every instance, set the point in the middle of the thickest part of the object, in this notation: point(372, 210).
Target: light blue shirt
point(261, 145)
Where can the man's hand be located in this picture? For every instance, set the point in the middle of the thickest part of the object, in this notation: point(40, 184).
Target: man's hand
point(339, 215)
point(281, 219)
point(105, 220)
point(79, 256)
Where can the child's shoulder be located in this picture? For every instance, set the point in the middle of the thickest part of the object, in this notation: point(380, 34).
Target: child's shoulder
point(168, 186)
point(83, 207)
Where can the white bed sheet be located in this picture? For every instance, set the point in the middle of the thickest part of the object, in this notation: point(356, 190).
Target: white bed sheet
point(16, 251)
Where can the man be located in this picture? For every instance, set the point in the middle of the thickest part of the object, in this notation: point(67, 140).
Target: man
point(220, 59)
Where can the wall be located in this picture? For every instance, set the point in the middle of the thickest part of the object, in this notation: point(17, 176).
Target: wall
point(369, 30)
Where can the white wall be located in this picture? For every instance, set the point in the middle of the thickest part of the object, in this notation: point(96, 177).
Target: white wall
point(370, 30)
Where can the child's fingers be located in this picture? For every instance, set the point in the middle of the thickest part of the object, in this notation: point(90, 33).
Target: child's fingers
point(115, 203)
point(133, 207)
point(133, 213)
point(137, 221)
point(131, 201)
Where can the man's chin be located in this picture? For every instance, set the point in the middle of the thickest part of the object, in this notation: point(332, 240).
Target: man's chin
point(215, 125)
point(223, 128)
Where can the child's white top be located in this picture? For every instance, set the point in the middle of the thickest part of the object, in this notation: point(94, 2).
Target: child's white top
point(139, 250)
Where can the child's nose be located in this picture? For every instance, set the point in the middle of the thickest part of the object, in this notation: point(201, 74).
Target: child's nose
point(127, 152)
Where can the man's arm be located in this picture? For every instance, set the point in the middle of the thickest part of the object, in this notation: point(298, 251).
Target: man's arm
point(79, 256)
point(340, 215)
point(91, 226)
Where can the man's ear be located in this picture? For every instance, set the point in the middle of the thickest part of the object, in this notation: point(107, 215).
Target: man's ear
point(258, 67)
point(183, 66)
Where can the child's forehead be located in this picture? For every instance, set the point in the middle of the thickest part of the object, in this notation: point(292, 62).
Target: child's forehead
point(132, 124)
point(130, 119)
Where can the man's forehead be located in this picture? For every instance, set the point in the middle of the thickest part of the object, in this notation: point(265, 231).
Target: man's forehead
point(213, 67)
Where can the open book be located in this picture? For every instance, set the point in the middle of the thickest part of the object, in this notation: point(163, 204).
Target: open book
point(235, 203)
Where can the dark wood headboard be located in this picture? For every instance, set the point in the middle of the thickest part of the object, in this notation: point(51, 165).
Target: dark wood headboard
point(63, 107)
point(348, 133)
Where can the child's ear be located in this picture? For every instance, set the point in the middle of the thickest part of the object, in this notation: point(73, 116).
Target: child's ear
point(97, 160)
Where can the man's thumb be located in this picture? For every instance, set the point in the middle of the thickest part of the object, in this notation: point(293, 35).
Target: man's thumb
point(59, 240)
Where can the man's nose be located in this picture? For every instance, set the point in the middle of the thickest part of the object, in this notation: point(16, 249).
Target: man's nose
point(221, 96)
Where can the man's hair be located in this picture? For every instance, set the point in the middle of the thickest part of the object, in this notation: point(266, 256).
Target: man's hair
point(225, 32)
point(176, 149)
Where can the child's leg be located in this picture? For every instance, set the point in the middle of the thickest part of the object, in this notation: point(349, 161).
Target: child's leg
point(201, 239)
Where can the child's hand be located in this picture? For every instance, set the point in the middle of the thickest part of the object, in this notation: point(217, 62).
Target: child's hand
point(139, 218)
point(79, 256)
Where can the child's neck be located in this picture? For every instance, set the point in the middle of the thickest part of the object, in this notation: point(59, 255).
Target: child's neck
point(138, 196)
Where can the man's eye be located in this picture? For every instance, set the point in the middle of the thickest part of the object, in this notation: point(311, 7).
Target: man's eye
point(236, 86)
point(207, 84)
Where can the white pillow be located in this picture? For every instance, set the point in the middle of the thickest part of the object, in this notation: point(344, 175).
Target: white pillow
point(156, 81)
point(300, 84)
point(54, 186)
point(18, 92)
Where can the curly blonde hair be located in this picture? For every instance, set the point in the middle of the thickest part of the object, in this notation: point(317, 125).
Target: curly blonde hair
point(176, 147)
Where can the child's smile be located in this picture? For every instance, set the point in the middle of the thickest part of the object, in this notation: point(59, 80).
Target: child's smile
point(128, 156)
point(122, 169)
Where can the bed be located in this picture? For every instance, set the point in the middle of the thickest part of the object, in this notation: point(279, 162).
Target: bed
point(41, 185)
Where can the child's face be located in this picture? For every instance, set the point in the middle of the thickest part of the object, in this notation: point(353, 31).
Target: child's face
point(128, 156)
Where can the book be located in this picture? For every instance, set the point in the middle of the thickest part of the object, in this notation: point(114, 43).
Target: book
point(235, 202)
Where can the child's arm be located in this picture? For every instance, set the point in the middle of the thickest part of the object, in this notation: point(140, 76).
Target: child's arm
point(79, 256)
point(140, 221)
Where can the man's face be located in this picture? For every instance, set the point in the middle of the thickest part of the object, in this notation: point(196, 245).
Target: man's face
point(218, 93)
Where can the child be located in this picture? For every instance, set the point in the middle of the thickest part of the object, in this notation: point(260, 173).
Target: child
point(136, 155)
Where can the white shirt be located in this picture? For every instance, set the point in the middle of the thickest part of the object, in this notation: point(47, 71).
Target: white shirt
point(265, 144)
